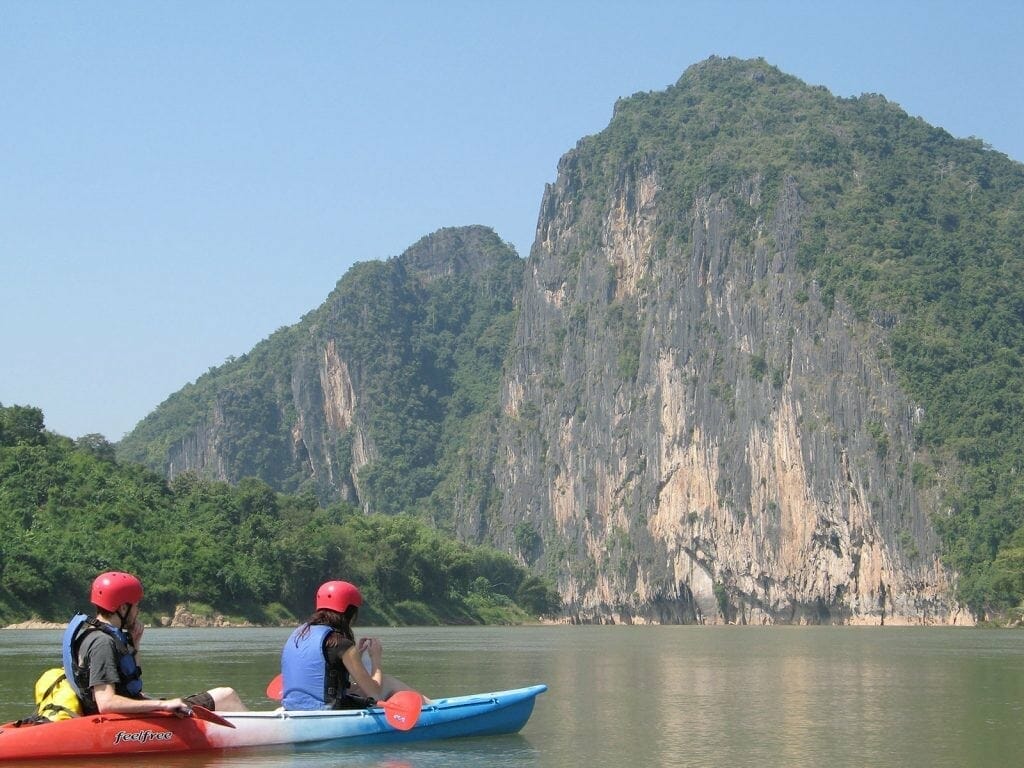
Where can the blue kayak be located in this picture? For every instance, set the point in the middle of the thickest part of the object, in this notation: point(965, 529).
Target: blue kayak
point(481, 714)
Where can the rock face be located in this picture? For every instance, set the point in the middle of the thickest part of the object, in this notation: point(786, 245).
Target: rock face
point(183, 617)
point(727, 475)
point(688, 433)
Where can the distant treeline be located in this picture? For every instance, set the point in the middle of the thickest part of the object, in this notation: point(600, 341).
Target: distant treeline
point(70, 510)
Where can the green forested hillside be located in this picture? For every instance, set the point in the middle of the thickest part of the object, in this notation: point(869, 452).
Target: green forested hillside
point(920, 233)
point(429, 355)
point(251, 393)
point(423, 336)
point(69, 510)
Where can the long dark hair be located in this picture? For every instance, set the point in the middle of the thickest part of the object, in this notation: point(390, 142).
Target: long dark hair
point(339, 622)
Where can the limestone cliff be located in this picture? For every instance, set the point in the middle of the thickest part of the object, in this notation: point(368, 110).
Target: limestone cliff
point(689, 433)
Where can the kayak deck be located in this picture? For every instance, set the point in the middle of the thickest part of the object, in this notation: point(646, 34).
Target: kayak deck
point(482, 714)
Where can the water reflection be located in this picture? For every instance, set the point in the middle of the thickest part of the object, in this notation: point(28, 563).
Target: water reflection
point(502, 752)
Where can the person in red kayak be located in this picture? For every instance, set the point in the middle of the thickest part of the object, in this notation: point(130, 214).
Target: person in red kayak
point(323, 666)
point(100, 656)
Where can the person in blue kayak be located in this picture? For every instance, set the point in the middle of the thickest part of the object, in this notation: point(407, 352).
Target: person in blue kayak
point(100, 656)
point(323, 666)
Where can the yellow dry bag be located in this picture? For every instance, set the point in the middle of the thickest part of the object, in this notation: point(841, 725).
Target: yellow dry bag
point(55, 698)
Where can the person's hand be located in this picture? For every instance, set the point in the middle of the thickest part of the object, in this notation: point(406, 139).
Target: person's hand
point(175, 706)
point(136, 632)
point(375, 649)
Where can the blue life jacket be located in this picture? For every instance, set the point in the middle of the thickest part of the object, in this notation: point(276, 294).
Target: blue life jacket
point(304, 670)
point(78, 676)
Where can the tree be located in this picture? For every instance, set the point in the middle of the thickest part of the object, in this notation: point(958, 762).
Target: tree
point(21, 425)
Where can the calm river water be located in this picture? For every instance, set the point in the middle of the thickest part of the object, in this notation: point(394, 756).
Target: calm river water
point(638, 696)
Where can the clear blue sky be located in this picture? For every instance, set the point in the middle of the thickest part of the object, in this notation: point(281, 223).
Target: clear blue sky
point(180, 179)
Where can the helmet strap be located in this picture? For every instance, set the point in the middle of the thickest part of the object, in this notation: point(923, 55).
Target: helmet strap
point(123, 617)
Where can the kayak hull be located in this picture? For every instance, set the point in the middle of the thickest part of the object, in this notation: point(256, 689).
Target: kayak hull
point(483, 714)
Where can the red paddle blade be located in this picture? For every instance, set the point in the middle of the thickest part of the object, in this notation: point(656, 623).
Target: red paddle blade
point(275, 689)
point(211, 717)
point(402, 710)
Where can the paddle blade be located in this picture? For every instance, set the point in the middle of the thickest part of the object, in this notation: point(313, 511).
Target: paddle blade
point(211, 717)
point(402, 710)
point(275, 689)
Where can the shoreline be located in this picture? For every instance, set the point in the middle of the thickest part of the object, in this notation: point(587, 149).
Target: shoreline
point(215, 624)
point(36, 624)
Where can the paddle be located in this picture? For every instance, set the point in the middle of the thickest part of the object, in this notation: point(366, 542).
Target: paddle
point(211, 717)
point(401, 711)
point(275, 689)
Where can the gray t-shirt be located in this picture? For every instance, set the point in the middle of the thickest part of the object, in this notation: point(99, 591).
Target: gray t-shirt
point(98, 654)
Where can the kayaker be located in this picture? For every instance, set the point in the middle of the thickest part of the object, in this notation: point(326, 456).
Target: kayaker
point(100, 656)
point(322, 664)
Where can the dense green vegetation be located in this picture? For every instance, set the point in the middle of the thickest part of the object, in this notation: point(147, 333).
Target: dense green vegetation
point(70, 510)
point(916, 231)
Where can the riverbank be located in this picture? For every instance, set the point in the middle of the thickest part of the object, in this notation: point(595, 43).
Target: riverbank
point(185, 616)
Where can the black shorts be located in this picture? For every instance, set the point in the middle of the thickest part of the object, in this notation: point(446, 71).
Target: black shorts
point(351, 701)
point(203, 699)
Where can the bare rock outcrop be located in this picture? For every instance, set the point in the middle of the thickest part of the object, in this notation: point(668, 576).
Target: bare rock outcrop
point(691, 435)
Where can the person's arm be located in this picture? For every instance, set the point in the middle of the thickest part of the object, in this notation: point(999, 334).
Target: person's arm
point(109, 701)
point(371, 683)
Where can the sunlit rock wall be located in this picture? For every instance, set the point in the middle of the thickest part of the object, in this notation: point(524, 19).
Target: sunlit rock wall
point(689, 435)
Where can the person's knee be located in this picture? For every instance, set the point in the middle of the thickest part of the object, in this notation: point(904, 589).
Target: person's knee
point(226, 698)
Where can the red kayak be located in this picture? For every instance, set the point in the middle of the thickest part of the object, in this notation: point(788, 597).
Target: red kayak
point(104, 735)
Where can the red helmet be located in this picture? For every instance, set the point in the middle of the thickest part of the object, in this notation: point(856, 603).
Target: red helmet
point(337, 596)
point(113, 588)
